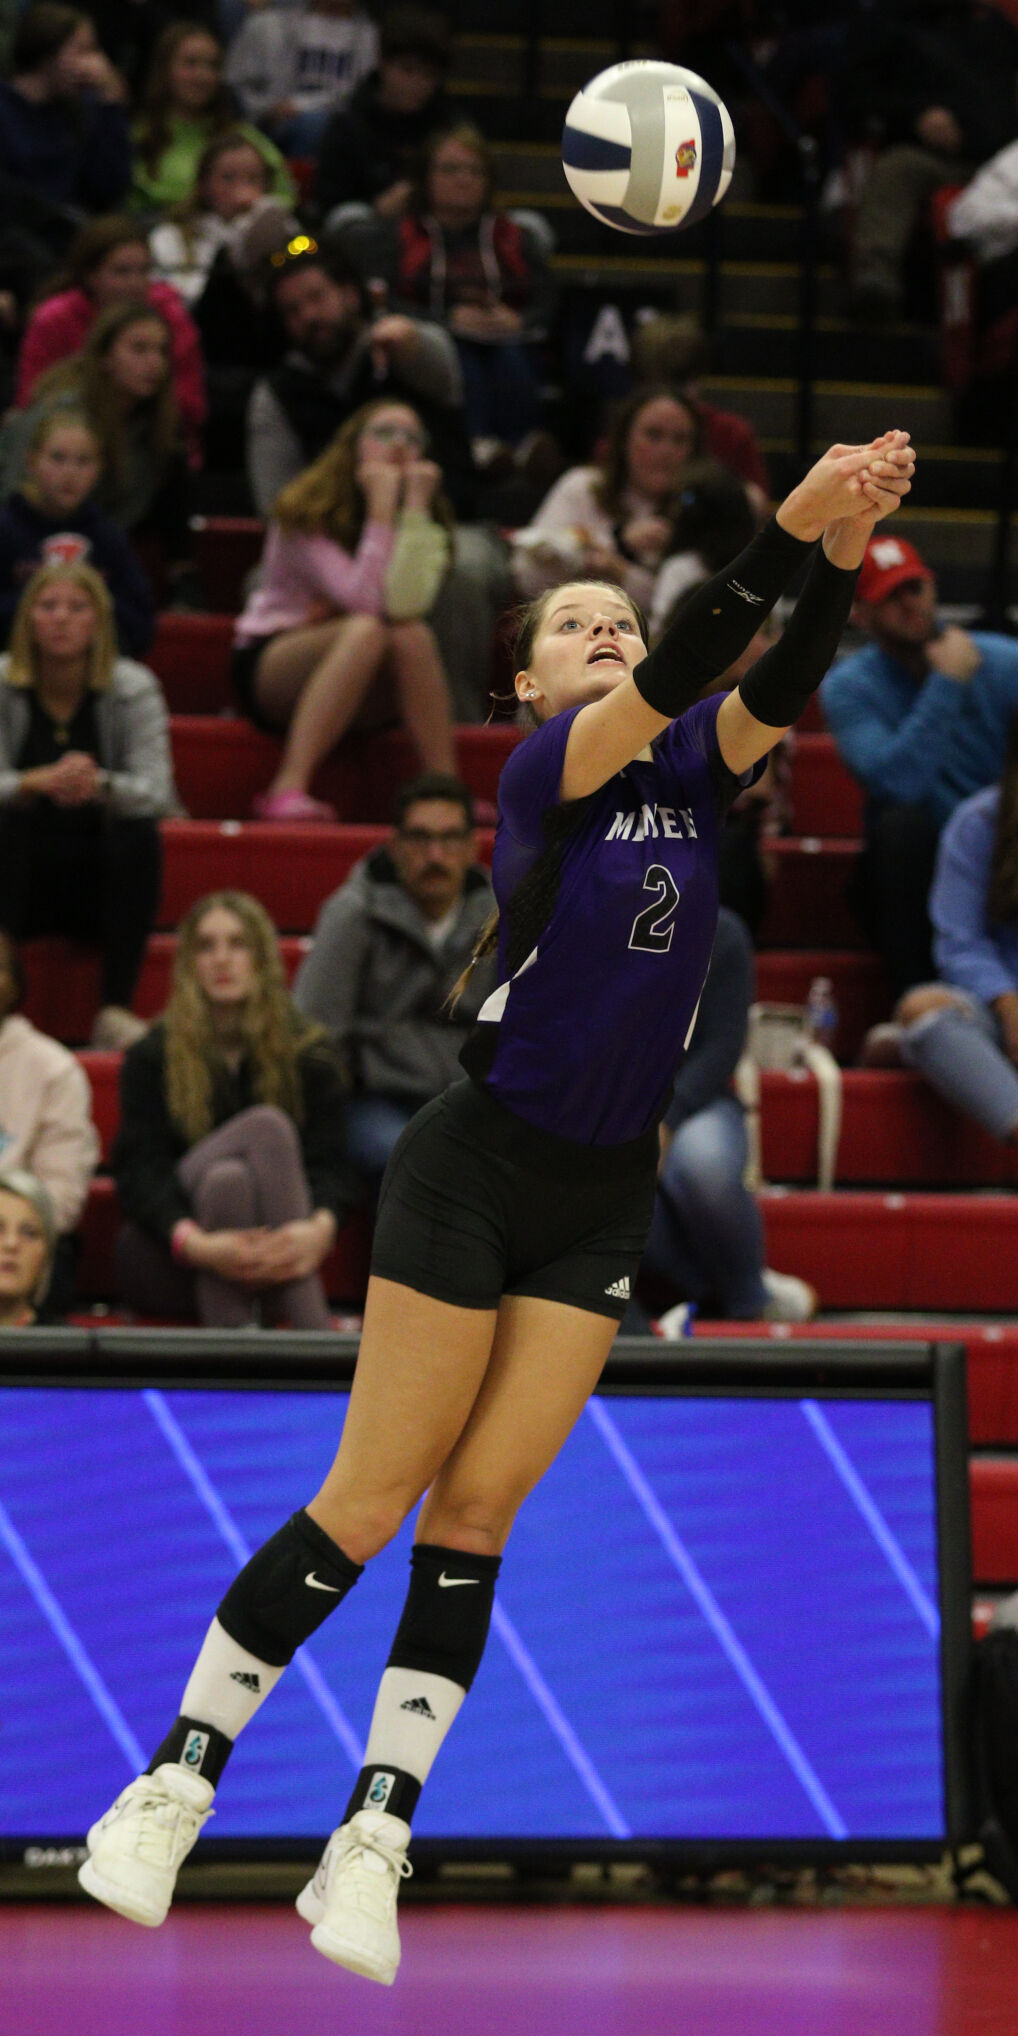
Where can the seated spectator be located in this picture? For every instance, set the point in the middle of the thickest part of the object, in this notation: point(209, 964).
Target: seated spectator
point(672, 349)
point(85, 777)
point(706, 1240)
point(184, 106)
point(121, 381)
point(230, 213)
point(711, 519)
point(372, 152)
point(27, 1237)
point(109, 267)
point(54, 517)
point(214, 252)
point(63, 123)
point(353, 560)
point(388, 950)
point(962, 1033)
point(339, 360)
point(985, 214)
point(229, 1161)
point(920, 716)
point(291, 67)
point(611, 520)
point(934, 90)
point(45, 1120)
point(454, 257)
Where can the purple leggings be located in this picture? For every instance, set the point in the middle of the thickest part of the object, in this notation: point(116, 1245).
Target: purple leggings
point(245, 1176)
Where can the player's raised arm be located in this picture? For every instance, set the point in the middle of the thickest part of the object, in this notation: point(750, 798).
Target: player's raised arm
point(777, 689)
point(725, 613)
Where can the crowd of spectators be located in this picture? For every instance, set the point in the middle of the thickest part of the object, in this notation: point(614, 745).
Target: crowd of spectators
point(253, 254)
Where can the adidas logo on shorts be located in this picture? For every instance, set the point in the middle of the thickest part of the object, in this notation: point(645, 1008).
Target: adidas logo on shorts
point(619, 1290)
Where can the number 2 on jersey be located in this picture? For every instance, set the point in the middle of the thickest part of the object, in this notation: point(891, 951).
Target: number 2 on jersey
point(654, 926)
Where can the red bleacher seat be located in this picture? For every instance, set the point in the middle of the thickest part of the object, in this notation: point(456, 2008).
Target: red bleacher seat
point(993, 1485)
point(898, 1249)
point(63, 981)
point(221, 763)
point(807, 903)
point(783, 976)
point(226, 549)
point(826, 799)
point(191, 657)
point(346, 1269)
point(895, 1130)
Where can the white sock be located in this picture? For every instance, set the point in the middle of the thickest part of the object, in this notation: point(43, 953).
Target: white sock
point(227, 1684)
point(412, 1714)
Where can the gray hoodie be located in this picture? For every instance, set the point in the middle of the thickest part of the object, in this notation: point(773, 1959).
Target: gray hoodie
point(378, 983)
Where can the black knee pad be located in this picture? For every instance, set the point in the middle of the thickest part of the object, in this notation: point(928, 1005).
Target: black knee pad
point(288, 1588)
point(447, 1613)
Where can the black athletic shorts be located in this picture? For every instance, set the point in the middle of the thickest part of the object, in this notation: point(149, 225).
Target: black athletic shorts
point(475, 1204)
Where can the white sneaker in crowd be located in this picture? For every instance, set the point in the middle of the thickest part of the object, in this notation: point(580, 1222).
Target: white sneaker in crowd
point(137, 1847)
point(676, 1323)
point(351, 1901)
point(788, 1299)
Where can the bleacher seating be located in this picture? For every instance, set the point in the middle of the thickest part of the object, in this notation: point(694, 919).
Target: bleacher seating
point(909, 1226)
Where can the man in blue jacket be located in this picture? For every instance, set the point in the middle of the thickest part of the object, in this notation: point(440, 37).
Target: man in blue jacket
point(920, 715)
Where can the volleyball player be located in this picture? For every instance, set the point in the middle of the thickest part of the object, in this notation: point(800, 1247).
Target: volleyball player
point(515, 1207)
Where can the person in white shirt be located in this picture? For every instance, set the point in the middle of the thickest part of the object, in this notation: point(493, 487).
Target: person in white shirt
point(292, 68)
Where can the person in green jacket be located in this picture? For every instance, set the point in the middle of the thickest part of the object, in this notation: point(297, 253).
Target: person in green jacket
point(185, 105)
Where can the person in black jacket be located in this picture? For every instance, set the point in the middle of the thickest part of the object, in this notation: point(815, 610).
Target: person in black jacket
point(53, 516)
point(372, 150)
point(229, 1161)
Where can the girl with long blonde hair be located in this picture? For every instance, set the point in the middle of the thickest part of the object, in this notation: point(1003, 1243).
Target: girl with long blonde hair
point(85, 777)
point(354, 557)
point(230, 1160)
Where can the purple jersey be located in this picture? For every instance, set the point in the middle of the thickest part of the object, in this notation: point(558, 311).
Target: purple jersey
point(608, 908)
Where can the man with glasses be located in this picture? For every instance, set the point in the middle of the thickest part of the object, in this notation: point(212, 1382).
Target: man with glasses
point(386, 953)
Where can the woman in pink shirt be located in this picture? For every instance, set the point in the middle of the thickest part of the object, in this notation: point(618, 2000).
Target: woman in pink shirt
point(354, 557)
point(109, 264)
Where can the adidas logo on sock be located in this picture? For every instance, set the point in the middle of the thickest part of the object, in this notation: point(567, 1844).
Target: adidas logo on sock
point(619, 1289)
point(247, 1682)
point(420, 1707)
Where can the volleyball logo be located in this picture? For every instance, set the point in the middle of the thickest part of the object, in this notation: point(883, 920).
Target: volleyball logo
point(648, 147)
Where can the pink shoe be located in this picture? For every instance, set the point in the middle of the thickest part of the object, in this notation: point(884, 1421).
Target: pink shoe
point(291, 806)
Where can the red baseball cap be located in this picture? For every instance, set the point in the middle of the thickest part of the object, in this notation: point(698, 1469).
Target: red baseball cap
point(888, 563)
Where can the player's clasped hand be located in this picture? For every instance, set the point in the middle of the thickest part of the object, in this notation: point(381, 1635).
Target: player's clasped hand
point(850, 480)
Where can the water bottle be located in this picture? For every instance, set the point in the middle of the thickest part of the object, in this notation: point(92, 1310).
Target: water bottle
point(821, 1014)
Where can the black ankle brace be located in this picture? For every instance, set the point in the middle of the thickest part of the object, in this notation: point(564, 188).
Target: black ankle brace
point(288, 1588)
point(447, 1613)
point(195, 1746)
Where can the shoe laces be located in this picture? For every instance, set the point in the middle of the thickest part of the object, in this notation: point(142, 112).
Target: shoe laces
point(375, 1892)
point(165, 1828)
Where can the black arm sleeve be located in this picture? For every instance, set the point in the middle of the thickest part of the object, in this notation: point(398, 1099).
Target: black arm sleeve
point(781, 682)
point(719, 620)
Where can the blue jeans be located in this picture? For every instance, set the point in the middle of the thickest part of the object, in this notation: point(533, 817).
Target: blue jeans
point(373, 1124)
point(959, 1051)
point(707, 1233)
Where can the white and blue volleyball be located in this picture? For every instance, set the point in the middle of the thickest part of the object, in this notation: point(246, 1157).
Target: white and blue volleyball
point(648, 147)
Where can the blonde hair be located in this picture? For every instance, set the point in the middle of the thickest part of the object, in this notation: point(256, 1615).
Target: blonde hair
point(23, 652)
point(273, 1032)
point(16, 1180)
point(326, 499)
